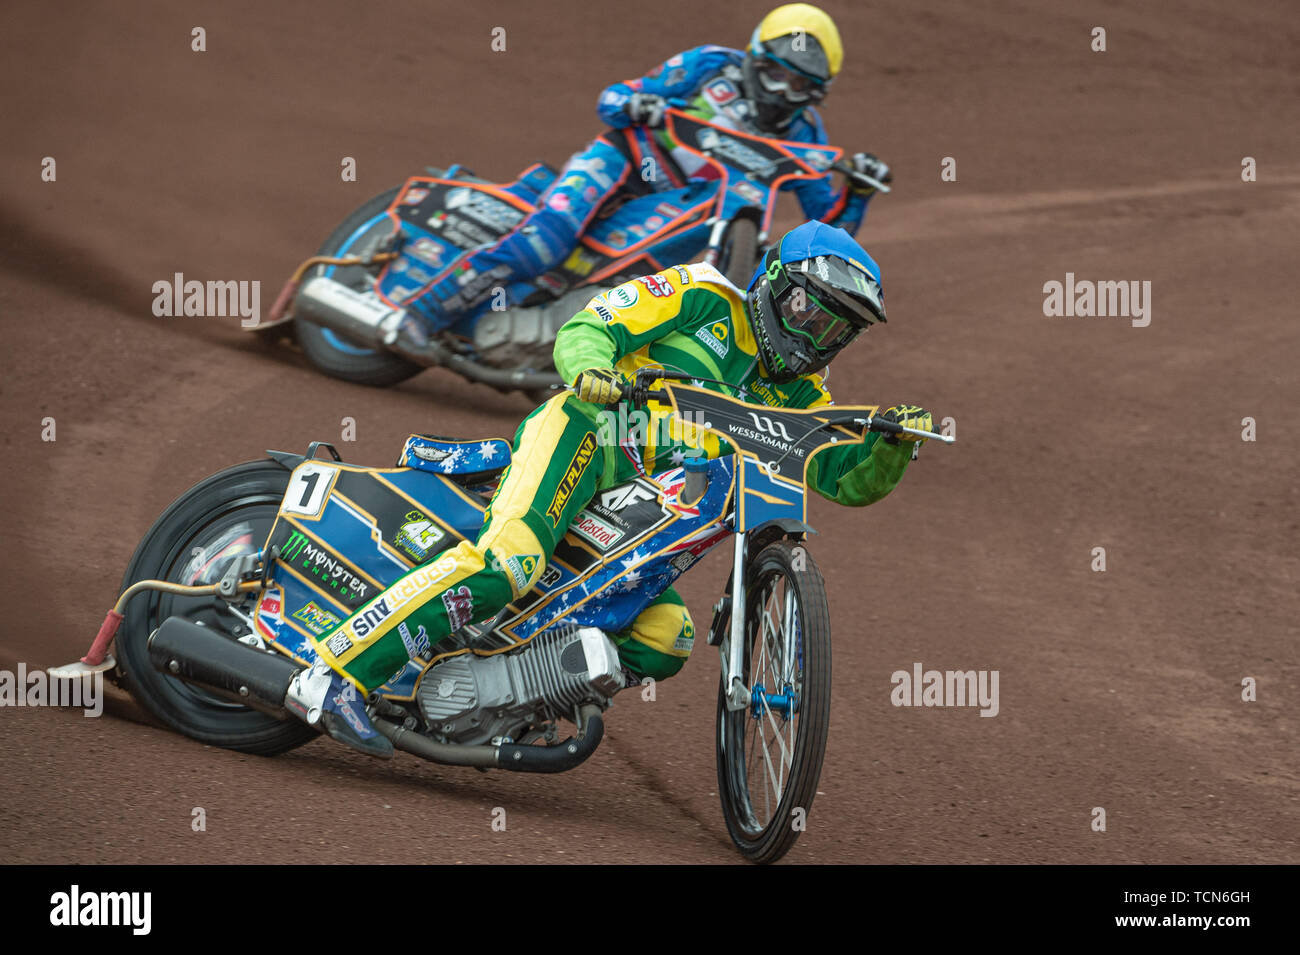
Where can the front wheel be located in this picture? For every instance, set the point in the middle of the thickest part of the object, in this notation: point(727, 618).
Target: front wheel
point(739, 255)
point(770, 753)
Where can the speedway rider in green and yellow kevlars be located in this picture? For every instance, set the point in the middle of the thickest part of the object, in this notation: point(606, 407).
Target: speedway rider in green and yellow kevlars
point(814, 293)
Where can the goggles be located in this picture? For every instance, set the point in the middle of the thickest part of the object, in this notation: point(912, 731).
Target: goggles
point(813, 321)
point(778, 76)
point(812, 301)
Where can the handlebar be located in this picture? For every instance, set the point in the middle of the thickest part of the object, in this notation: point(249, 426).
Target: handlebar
point(640, 395)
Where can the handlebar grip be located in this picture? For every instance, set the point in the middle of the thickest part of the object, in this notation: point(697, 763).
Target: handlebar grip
point(891, 427)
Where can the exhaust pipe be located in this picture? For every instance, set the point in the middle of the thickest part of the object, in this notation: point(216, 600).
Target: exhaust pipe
point(201, 656)
point(362, 318)
point(369, 322)
point(259, 679)
point(519, 759)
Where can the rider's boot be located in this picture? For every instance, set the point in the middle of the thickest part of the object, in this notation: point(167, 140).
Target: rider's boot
point(320, 695)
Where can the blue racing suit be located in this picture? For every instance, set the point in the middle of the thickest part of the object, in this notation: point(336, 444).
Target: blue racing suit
point(708, 79)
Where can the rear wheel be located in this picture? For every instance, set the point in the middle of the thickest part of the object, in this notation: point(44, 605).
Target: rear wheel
point(359, 234)
point(193, 542)
point(770, 753)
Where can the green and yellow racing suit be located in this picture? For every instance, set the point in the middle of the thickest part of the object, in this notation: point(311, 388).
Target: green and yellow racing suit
point(687, 318)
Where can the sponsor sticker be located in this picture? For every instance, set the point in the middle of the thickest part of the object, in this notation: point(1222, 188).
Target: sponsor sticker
point(415, 645)
point(748, 191)
point(682, 562)
point(316, 619)
point(657, 285)
point(625, 495)
point(460, 606)
point(572, 474)
point(623, 296)
point(418, 535)
point(686, 639)
point(522, 569)
point(269, 610)
point(721, 91)
point(732, 149)
point(580, 263)
point(338, 644)
point(299, 552)
point(714, 338)
point(483, 208)
point(591, 528)
point(817, 159)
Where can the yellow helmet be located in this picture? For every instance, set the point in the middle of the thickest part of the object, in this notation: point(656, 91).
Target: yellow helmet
point(793, 55)
point(796, 19)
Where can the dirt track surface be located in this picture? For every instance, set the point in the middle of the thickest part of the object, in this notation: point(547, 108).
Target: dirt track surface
point(1119, 690)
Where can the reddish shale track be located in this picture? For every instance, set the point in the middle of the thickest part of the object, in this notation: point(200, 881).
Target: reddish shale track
point(1118, 689)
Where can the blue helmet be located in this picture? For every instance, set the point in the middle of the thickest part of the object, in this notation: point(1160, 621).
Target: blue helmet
point(815, 291)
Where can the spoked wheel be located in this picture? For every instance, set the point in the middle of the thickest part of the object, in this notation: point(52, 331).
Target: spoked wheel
point(359, 234)
point(193, 542)
point(770, 753)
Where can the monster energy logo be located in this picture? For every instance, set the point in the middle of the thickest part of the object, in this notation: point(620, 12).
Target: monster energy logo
point(293, 546)
point(299, 551)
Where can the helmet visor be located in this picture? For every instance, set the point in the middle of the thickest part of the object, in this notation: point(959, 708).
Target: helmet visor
point(842, 289)
point(805, 314)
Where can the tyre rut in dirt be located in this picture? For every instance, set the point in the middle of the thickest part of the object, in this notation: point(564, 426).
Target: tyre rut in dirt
point(228, 514)
point(767, 792)
point(328, 350)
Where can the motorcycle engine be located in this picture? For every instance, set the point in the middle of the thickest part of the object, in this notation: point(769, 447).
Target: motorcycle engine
point(472, 699)
point(525, 337)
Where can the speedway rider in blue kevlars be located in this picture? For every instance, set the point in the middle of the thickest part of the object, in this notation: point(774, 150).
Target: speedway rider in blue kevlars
point(771, 89)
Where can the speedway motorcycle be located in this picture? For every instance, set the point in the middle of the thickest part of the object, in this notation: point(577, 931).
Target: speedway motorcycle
point(346, 301)
point(227, 590)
